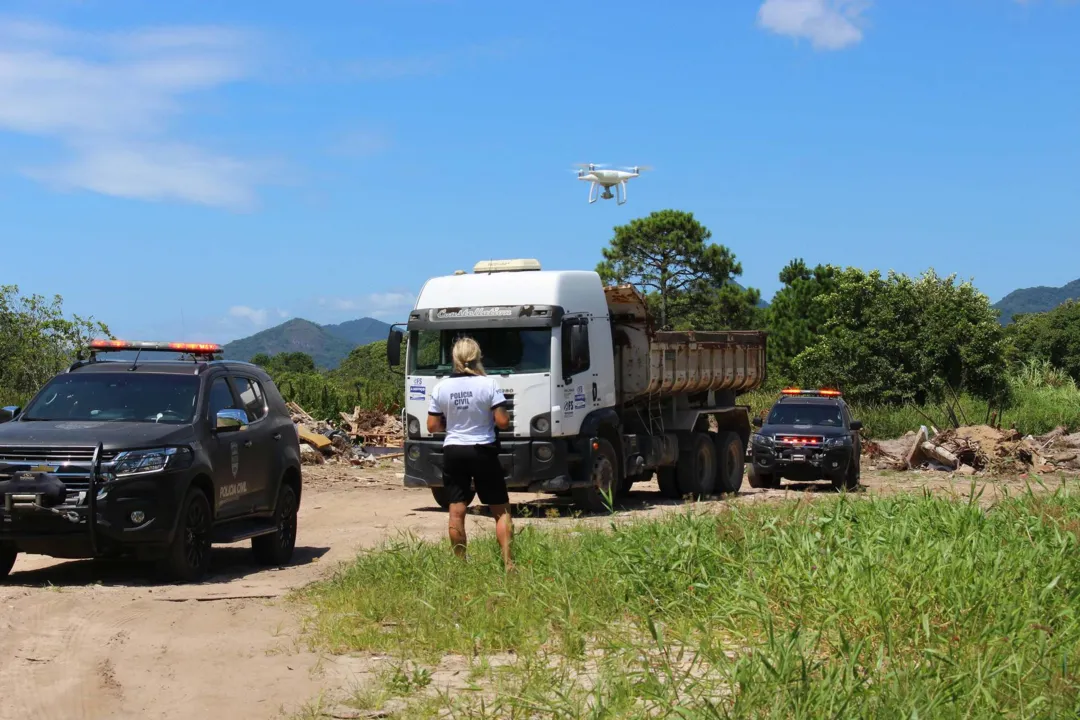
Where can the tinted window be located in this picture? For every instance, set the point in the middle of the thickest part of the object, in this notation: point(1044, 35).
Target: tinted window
point(220, 397)
point(575, 348)
point(251, 395)
point(806, 414)
point(116, 397)
point(503, 350)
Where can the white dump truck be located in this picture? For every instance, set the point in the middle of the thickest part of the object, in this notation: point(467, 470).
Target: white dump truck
point(598, 400)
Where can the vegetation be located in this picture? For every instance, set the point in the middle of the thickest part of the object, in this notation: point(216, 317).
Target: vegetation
point(1035, 300)
point(796, 316)
point(688, 281)
point(1052, 337)
point(37, 340)
point(327, 345)
point(886, 607)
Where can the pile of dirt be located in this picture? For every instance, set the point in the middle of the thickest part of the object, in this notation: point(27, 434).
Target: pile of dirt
point(972, 449)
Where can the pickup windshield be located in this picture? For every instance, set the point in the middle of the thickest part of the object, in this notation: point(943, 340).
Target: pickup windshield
point(505, 350)
point(116, 397)
point(806, 414)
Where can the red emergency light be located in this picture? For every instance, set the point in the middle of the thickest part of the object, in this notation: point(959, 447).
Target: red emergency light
point(199, 348)
point(824, 392)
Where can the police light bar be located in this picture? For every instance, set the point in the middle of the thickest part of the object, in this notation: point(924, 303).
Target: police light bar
point(118, 345)
point(815, 393)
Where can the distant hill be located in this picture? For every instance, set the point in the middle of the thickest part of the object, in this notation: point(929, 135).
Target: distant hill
point(360, 332)
point(1035, 300)
point(325, 348)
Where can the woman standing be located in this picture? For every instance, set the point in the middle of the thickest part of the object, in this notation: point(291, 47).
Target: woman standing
point(468, 406)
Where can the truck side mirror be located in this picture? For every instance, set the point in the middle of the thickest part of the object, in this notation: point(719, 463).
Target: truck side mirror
point(856, 424)
point(393, 348)
point(7, 414)
point(757, 422)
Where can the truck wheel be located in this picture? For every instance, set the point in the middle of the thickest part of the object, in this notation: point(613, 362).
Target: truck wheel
point(188, 558)
point(758, 479)
point(730, 460)
point(8, 553)
point(277, 547)
point(603, 478)
point(667, 479)
point(696, 470)
point(849, 480)
point(442, 498)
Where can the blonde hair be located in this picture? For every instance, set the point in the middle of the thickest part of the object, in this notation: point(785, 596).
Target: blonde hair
point(467, 357)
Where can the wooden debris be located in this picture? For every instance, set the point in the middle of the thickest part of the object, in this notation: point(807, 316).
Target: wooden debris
point(319, 442)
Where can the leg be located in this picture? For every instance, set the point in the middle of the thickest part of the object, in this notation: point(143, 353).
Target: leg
point(491, 487)
point(504, 531)
point(458, 540)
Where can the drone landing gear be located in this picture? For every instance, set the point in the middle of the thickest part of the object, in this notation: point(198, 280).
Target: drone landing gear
point(623, 186)
point(593, 187)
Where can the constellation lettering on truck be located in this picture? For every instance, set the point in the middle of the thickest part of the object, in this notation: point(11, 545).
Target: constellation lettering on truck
point(472, 312)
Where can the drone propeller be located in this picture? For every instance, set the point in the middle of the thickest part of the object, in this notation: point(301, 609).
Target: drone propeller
point(638, 168)
point(587, 166)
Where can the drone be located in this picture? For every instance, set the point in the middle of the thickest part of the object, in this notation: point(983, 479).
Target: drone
point(591, 173)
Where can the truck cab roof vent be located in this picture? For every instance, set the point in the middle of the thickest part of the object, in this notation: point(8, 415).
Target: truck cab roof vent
point(495, 266)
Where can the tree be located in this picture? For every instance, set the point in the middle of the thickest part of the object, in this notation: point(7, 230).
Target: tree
point(292, 362)
point(1053, 336)
point(37, 341)
point(685, 278)
point(796, 317)
point(895, 339)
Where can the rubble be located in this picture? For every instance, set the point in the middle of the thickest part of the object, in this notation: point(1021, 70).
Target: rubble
point(364, 437)
point(971, 449)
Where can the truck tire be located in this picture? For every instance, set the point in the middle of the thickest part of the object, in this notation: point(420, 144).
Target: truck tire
point(603, 476)
point(758, 479)
point(668, 480)
point(730, 461)
point(441, 497)
point(849, 481)
point(8, 553)
point(188, 557)
point(276, 549)
point(696, 470)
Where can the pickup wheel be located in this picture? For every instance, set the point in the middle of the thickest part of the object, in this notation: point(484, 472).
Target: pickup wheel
point(188, 558)
point(758, 479)
point(277, 547)
point(696, 470)
point(849, 481)
point(604, 478)
point(8, 553)
point(442, 498)
point(731, 459)
point(667, 479)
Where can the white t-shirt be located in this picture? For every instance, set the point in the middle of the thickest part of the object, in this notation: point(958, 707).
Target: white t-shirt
point(467, 401)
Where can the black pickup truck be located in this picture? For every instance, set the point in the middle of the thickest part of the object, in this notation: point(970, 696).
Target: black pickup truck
point(151, 460)
point(808, 435)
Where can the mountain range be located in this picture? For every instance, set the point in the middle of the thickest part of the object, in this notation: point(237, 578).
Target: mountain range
point(1035, 300)
point(328, 345)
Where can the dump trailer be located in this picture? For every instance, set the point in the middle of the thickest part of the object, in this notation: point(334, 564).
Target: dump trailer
point(598, 399)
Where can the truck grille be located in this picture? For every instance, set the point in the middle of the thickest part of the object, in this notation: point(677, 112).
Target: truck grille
point(807, 441)
point(72, 465)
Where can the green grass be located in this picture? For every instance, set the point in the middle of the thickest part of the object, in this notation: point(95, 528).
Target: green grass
point(846, 607)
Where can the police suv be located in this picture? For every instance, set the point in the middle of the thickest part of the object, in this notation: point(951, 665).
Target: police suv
point(808, 435)
point(151, 460)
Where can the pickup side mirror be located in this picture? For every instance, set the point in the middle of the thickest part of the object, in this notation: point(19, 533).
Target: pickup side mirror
point(230, 420)
point(393, 348)
point(7, 414)
point(856, 425)
point(757, 422)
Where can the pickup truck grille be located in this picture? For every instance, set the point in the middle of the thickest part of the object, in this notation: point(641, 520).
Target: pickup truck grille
point(807, 441)
point(72, 465)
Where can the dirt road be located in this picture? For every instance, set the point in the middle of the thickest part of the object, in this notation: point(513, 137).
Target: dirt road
point(82, 639)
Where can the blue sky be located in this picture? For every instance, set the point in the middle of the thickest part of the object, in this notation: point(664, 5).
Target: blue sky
point(204, 170)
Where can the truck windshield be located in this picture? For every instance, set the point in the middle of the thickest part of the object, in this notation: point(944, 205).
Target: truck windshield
point(116, 397)
point(505, 350)
point(806, 414)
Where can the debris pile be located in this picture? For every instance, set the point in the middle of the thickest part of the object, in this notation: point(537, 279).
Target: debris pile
point(362, 438)
point(971, 449)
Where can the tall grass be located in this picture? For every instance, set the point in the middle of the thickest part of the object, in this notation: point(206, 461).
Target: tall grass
point(1043, 398)
point(888, 607)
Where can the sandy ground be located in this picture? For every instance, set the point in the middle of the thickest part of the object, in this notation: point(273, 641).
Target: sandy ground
point(83, 639)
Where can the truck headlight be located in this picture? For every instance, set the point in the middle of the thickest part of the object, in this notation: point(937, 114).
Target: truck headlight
point(758, 439)
point(139, 462)
point(414, 427)
point(842, 441)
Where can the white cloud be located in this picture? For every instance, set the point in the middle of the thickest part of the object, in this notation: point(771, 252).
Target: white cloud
point(255, 316)
point(109, 99)
point(827, 24)
point(372, 304)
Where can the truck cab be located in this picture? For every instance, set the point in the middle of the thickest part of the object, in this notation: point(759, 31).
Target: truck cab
point(581, 371)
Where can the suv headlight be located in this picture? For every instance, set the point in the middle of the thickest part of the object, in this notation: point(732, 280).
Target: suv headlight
point(842, 441)
point(140, 462)
point(759, 439)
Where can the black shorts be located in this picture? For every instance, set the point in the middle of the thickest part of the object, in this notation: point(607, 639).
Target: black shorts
point(465, 466)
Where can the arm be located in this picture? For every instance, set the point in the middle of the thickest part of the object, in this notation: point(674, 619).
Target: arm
point(498, 407)
point(502, 418)
point(436, 419)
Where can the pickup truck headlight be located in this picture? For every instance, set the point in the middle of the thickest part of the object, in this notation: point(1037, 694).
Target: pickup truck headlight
point(140, 462)
point(842, 441)
point(759, 439)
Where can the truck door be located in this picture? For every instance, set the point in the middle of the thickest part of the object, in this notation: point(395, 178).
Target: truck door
point(577, 380)
point(224, 450)
point(258, 449)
